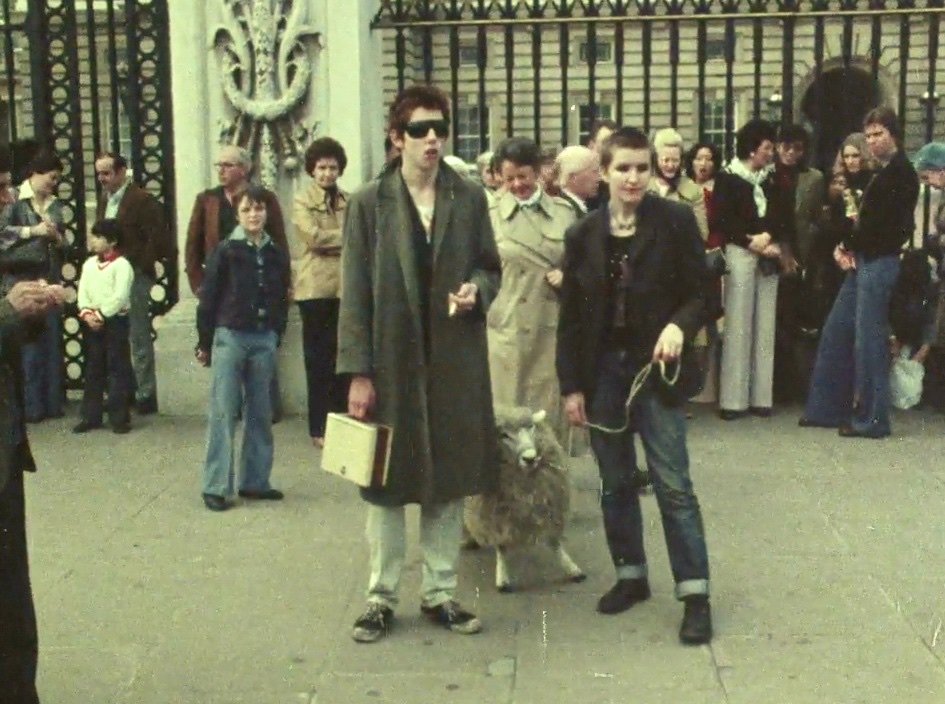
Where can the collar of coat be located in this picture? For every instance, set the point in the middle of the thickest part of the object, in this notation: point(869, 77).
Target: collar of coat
point(597, 231)
point(316, 198)
point(508, 205)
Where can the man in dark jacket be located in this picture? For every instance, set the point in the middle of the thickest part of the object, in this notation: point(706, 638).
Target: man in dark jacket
point(849, 387)
point(633, 294)
point(145, 240)
point(18, 641)
point(419, 270)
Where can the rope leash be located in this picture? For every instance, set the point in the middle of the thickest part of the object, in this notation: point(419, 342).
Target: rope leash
point(638, 383)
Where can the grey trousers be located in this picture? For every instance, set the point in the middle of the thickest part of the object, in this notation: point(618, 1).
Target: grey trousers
point(440, 533)
point(142, 345)
point(747, 372)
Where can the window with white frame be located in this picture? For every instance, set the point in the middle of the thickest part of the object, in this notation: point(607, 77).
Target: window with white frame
point(467, 143)
point(587, 118)
point(713, 120)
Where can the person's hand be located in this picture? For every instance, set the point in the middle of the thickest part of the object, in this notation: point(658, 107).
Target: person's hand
point(845, 260)
point(203, 357)
point(29, 298)
point(554, 278)
point(757, 243)
point(361, 397)
point(669, 345)
point(464, 300)
point(894, 346)
point(788, 264)
point(574, 409)
point(772, 251)
point(921, 354)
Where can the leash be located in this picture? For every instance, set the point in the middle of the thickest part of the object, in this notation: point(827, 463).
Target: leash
point(639, 381)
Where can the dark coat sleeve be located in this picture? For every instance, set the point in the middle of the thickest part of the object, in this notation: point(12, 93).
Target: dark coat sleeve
point(693, 276)
point(356, 309)
point(214, 276)
point(569, 337)
point(194, 247)
point(735, 214)
point(487, 271)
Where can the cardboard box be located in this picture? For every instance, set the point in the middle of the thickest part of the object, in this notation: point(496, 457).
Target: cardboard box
point(357, 451)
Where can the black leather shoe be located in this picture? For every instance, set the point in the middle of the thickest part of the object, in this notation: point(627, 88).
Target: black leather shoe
point(146, 406)
point(725, 414)
point(264, 495)
point(84, 427)
point(760, 411)
point(121, 428)
point(696, 628)
point(624, 594)
point(215, 503)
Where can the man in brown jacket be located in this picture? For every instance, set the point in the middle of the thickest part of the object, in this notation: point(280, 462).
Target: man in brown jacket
point(214, 214)
point(213, 219)
point(145, 240)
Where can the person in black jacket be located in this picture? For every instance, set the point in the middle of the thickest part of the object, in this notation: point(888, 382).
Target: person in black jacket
point(633, 292)
point(850, 385)
point(244, 302)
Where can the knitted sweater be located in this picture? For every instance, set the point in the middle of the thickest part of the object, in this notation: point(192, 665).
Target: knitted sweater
point(105, 286)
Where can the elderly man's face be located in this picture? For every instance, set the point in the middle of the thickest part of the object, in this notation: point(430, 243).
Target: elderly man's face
point(936, 178)
point(230, 169)
point(584, 183)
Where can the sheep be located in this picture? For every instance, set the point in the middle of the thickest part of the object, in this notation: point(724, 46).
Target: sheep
point(532, 501)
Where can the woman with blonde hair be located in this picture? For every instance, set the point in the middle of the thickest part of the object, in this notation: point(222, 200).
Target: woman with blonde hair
point(670, 181)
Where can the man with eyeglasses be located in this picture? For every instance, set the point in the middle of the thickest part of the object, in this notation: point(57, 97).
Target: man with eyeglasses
point(145, 240)
point(214, 214)
point(25, 301)
point(419, 271)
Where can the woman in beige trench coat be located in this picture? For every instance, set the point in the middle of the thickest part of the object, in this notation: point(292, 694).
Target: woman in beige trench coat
point(529, 228)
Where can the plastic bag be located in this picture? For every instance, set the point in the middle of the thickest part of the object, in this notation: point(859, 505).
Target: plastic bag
point(905, 381)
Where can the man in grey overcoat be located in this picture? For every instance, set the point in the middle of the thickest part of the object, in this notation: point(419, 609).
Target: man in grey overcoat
point(419, 271)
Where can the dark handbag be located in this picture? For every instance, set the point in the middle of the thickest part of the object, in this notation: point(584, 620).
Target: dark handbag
point(769, 266)
point(26, 256)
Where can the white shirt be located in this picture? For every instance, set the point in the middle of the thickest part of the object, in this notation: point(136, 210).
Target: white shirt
point(114, 200)
point(106, 286)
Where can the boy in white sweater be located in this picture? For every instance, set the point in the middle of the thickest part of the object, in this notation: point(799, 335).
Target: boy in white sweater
point(104, 299)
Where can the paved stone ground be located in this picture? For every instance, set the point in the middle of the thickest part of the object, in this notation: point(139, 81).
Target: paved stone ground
point(827, 558)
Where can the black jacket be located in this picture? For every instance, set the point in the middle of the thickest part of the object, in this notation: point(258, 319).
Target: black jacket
point(667, 258)
point(234, 289)
point(887, 213)
point(735, 213)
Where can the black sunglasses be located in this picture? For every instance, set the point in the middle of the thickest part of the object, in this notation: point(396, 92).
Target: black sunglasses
point(421, 128)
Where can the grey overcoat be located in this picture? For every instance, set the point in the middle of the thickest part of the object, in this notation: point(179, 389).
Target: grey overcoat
point(444, 443)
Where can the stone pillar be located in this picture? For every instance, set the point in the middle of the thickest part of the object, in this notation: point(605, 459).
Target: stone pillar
point(344, 99)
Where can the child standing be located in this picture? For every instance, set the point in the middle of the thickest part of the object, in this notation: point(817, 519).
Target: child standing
point(244, 302)
point(104, 299)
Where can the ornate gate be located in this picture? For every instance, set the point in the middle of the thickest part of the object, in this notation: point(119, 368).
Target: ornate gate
point(85, 76)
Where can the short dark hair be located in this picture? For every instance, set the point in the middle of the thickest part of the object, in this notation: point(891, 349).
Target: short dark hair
point(600, 124)
point(886, 117)
point(409, 99)
point(751, 136)
point(622, 138)
point(109, 229)
point(325, 148)
point(388, 144)
point(691, 157)
point(118, 161)
point(521, 151)
point(791, 133)
point(43, 163)
point(6, 160)
point(254, 193)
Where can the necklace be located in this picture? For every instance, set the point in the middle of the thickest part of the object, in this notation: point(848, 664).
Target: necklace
point(623, 227)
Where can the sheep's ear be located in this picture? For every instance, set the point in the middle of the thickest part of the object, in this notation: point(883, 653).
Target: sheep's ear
point(538, 417)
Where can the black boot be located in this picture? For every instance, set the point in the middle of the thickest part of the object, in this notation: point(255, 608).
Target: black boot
point(696, 628)
point(624, 594)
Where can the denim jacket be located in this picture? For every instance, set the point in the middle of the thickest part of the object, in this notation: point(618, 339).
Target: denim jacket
point(245, 288)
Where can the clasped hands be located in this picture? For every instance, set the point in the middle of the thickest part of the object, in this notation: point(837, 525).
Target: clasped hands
point(762, 245)
point(668, 348)
point(35, 298)
point(844, 258)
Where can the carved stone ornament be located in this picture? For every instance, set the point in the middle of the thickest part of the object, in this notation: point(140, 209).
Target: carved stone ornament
point(264, 48)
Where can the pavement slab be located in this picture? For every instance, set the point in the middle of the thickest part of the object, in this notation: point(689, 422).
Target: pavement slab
point(828, 580)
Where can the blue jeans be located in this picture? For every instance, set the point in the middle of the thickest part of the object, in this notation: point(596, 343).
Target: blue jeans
point(243, 364)
point(853, 354)
point(663, 431)
point(43, 389)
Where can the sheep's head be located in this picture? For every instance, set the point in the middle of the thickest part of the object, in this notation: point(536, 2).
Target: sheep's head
point(517, 432)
